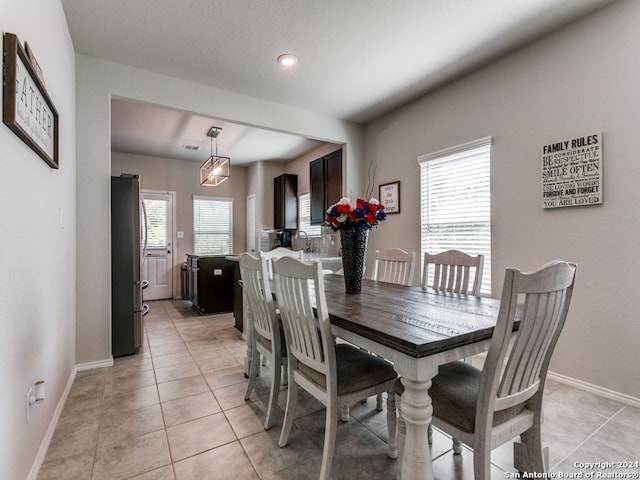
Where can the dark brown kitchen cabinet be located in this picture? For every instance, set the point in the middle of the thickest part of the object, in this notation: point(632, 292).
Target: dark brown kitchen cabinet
point(285, 202)
point(325, 181)
point(211, 283)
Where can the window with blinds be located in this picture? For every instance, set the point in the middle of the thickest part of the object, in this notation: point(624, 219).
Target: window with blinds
point(455, 202)
point(212, 226)
point(156, 229)
point(304, 216)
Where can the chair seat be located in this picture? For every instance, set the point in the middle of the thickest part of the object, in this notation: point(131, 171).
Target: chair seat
point(454, 392)
point(356, 370)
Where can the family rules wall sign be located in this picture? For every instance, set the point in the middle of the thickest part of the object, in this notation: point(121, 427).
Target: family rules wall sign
point(572, 172)
point(27, 109)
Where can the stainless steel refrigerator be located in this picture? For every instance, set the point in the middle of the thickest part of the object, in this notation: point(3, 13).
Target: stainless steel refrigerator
point(126, 285)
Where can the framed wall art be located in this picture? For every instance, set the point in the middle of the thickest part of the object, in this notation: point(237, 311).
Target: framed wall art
point(572, 172)
point(389, 196)
point(27, 109)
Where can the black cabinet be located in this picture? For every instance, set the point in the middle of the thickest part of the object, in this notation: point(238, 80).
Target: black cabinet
point(325, 182)
point(211, 283)
point(285, 202)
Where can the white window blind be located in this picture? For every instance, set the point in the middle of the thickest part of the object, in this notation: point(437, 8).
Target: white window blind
point(212, 226)
point(304, 216)
point(455, 198)
point(156, 215)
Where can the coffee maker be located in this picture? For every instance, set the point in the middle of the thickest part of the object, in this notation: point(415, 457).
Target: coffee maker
point(283, 239)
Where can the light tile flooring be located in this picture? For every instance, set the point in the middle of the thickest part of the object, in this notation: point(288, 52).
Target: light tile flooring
point(176, 412)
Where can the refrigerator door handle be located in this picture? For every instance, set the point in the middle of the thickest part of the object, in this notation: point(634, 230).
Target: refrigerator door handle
point(137, 297)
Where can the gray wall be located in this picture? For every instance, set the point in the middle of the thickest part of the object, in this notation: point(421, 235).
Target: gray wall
point(38, 247)
point(580, 80)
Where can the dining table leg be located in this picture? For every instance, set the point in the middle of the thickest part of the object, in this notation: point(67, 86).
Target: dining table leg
point(416, 411)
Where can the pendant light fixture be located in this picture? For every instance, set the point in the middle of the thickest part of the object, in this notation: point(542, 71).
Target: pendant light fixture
point(215, 169)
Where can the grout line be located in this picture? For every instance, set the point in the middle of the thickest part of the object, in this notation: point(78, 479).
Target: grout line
point(95, 446)
point(589, 437)
point(164, 422)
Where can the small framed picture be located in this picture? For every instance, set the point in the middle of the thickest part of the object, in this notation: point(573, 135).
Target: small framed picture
point(389, 194)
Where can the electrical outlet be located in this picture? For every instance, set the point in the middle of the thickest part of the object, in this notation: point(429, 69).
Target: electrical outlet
point(29, 393)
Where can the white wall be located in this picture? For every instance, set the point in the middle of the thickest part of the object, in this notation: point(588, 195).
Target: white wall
point(37, 250)
point(96, 82)
point(578, 81)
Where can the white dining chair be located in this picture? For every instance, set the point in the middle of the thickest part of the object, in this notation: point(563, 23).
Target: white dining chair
point(335, 374)
point(485, 408)
point(266, 334)
point(450, 271)
point(453, 271)
point(394, 266)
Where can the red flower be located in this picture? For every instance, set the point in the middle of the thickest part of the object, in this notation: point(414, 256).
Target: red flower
point(343, 208)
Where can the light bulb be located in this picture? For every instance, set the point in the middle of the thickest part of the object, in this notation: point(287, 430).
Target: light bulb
point(287, 60)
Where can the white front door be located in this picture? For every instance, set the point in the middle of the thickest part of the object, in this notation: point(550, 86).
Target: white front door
point(157, 264)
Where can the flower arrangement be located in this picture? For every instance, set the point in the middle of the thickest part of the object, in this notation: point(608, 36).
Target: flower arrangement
point(348, 214)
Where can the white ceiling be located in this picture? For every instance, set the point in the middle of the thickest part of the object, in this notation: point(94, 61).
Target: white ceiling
point(146, 129)
point(358, 59)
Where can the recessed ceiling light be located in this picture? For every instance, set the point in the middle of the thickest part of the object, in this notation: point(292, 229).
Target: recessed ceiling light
point(287, 60)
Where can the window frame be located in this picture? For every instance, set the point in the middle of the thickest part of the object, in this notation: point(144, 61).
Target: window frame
point(312, 231)
point(149, 218)
point(198, 231)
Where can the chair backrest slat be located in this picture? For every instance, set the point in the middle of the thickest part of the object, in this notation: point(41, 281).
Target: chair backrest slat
point(452, 272)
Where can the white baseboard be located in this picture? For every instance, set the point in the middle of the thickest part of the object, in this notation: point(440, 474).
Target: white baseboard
point(91, 365)
point(589, 387)
point(44, 445)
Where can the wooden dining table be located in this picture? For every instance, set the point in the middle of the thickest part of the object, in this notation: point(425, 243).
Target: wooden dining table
point(417, 330)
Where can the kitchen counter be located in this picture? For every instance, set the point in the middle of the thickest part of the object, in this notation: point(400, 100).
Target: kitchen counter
point(307, 257)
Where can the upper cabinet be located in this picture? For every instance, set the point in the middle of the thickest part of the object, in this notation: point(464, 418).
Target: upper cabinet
point(325, 181)
point(285, 202)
